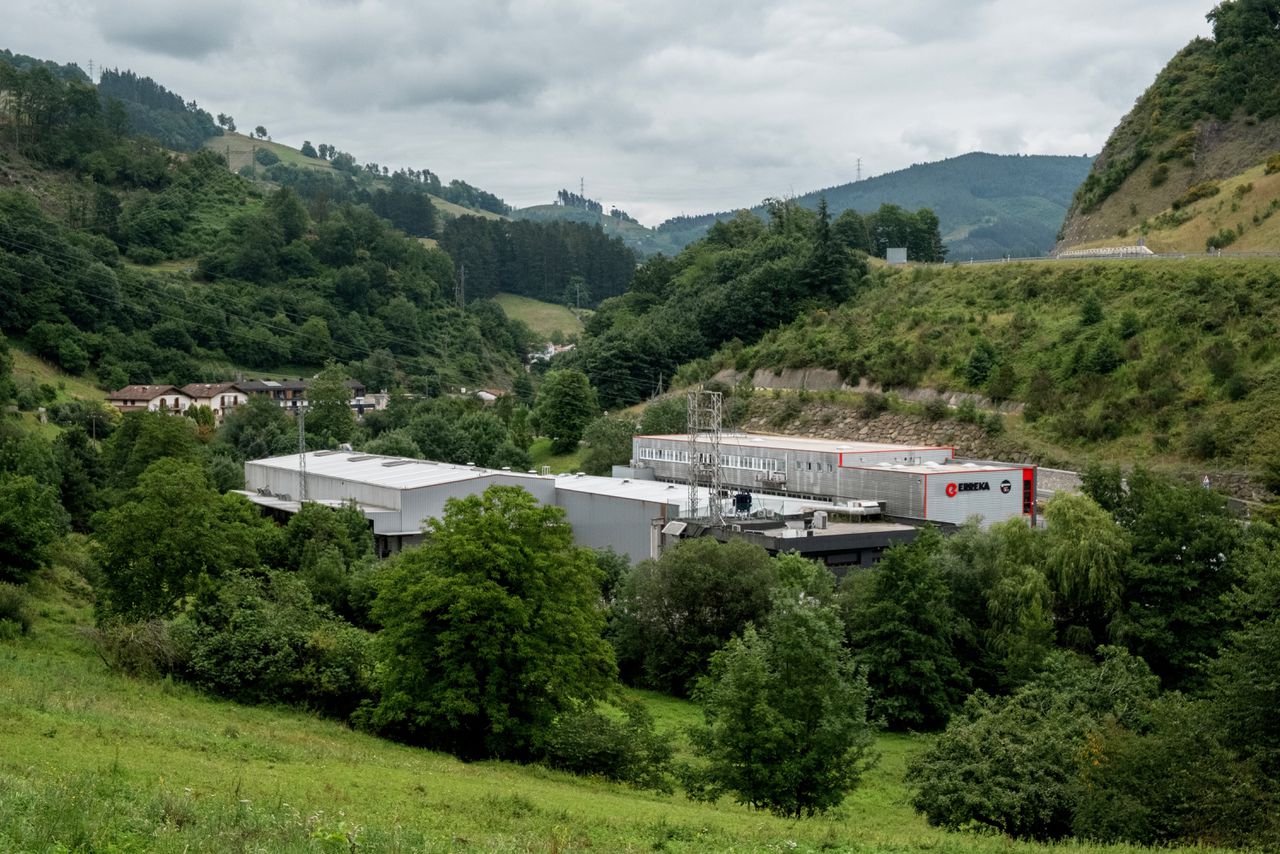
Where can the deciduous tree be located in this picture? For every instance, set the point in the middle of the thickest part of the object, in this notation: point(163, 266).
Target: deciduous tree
point(490, 630)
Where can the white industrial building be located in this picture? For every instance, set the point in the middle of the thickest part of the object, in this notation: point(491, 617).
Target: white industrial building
point(914, 483)
point(398, 495)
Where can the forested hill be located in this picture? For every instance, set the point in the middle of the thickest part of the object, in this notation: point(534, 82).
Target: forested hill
point(988, 205)
point(1211, 115)
point(128, 263)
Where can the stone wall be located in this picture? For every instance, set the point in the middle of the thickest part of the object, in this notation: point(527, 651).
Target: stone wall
point(825, 420)
point(824, 379)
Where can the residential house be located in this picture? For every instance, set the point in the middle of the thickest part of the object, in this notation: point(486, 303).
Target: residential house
point(150, 398)
point(220, 397)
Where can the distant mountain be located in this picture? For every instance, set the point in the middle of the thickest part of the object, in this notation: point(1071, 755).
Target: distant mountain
point(1186, 169)
point(988, 205)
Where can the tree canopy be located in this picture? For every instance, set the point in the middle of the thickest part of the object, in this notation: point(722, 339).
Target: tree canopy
point(490, 630)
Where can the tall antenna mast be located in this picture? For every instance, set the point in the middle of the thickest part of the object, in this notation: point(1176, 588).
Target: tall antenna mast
point(704, 417)
point(91, 80)
point(859, 178)
point(302, 455)
point(582, 187)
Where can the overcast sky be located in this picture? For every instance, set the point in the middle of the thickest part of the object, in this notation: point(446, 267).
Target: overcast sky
point(662, 107)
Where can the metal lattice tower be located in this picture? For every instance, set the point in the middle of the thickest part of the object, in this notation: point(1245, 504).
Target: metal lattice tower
point(704, 419)
point(302, 455)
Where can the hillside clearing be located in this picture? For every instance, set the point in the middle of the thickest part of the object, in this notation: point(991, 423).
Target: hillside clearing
point(544, 319)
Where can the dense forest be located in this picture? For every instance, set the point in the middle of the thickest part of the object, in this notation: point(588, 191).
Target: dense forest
point(271, 281)
point(153, 111)
point(564, 262)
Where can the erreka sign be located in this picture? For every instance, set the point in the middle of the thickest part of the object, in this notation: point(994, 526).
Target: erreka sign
point(954, 489)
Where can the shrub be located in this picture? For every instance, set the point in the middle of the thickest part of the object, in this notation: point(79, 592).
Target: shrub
point(1273, 164)
point(146, 649)
point(1160, 175)
point(1204, 190)
point(588, 742)
point(15, 618)
point(1011, 764)
point(266, 157)
point(1222, 239)
point(263, 639)
point(936, 409)
point(872, 404)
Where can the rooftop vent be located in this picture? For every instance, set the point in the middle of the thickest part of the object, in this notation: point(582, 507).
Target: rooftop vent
point(360, 458)
point(390, 463)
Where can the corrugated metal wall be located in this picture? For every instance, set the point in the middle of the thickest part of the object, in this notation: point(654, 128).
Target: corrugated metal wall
point(608, 521)
point(949, 501)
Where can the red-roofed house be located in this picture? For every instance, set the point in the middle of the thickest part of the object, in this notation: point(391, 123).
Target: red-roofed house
point(150, 398)
point(220, 397)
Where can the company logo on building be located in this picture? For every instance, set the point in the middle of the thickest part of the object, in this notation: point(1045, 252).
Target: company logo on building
point(954, 489)
point(1005, 486)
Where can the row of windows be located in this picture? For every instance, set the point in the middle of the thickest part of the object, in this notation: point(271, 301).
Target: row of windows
point(664, 455)
point(734, 461)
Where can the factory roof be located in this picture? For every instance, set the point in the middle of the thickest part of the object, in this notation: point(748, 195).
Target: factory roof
point(939, 468)
point(641, 490)
point(377, 470)
point(800, 443)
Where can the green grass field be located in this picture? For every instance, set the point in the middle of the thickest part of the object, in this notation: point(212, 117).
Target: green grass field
point(31, 368)
point(543, 318)
point(540, 452)
point(92, 761)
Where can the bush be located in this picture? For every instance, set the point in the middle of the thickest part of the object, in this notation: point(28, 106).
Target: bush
point(1273, 164)
point(264, 640)
point(1160, 175)
point(1222, 239)
point(1012, 764)
point(936, 409)
point(588, 742)
point(873, 404)
point(266, 157)
point(15, 618)
point(1205, 190)
point(146, 649)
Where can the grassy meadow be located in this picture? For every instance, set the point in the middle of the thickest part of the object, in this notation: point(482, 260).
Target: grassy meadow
point(540, 452)
point(543, 318)
point(93, 761)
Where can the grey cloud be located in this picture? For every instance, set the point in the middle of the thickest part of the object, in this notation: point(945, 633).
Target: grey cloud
point(664, 107)
point(184, 31)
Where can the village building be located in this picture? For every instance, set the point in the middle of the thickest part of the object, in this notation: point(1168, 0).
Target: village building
point(150, 398)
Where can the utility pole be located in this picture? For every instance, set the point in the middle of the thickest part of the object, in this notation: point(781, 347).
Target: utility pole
point(704, 419)
point(302, 456)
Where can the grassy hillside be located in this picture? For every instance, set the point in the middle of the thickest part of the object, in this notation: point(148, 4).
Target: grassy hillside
point(988, 205)
point(1211, 115)
point(543, 318)
point(1170, 362)
point(239, 150)
point(1239, 216)
point(97, 762)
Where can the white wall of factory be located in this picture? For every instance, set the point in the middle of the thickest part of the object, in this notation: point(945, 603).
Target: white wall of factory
point(994, 495)
point(627, 526)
